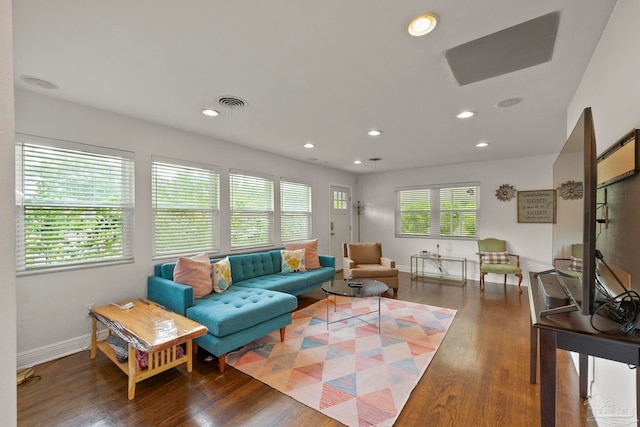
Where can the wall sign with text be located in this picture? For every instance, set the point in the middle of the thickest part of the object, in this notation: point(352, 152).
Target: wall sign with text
point(537, 206)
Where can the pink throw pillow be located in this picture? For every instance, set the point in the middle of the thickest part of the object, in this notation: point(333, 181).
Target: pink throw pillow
point(311, 259)
point(195, 272)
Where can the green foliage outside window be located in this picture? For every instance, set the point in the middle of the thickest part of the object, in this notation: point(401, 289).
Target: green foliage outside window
point(437, 212)
point(74, 204)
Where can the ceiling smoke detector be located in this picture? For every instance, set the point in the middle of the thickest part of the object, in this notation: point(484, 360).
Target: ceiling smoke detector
point(38, 82)
point(232, 102)
point(506, 103)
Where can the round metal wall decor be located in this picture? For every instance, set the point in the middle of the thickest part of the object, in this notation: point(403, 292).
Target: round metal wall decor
point(570, 190)
point(505, 192)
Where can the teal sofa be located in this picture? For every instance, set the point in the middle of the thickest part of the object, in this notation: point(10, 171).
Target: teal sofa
point(259, 301)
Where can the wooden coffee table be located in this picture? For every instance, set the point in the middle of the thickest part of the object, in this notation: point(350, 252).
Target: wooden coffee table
point(148, 327)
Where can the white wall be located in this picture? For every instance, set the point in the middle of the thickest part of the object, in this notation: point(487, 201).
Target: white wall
point(496, 219)
point(7, 213)
point(51, 307)
point(611, 86)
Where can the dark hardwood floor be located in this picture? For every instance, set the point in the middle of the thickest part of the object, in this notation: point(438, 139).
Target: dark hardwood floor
point(478, 377)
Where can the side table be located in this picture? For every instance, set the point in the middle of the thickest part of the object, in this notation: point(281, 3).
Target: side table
point(148, 327)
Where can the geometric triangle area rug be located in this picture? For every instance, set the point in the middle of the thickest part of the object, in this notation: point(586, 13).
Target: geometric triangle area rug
point(349, 371)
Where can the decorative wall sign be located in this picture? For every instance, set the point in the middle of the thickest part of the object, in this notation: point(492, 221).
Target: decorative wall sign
point(537, 206)
point(570, 190)
point(505, 192)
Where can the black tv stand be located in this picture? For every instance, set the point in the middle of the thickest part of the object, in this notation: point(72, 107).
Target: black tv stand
point(571, 332)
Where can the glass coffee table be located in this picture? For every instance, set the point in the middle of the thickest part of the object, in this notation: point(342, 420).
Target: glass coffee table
point(354, 289)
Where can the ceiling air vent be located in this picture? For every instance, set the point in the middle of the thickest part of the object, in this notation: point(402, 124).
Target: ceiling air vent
point(232, 102)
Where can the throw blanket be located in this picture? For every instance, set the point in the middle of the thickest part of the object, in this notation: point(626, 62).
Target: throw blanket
point(121, 347)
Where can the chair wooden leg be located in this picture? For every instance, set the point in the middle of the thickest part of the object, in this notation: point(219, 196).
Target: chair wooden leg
point(505, 280)
point(482, 280)
point(520, 283)
point(282, 334)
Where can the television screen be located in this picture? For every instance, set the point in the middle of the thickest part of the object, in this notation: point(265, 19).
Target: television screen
point(574, 233)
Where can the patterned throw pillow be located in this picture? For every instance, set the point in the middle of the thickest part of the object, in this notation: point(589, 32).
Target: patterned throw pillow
point(222, 275)
point(495, 257)
point(293, 261)
point(311, 260)
point(575, 264)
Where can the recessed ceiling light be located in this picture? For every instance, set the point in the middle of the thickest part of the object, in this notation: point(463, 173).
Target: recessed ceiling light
point(210, 112)
point(357, 162)
point(482, 144)
point(508, 102)
point(38, 82)
point(465, 114)
point(309, 145)
point(422, 24)
point(374, 132)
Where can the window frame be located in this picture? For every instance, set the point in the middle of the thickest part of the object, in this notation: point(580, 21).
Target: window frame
point(87, 196)
point(435, 212)
point(208, 240)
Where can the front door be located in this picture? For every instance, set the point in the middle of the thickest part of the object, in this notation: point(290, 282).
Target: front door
point(340, 221)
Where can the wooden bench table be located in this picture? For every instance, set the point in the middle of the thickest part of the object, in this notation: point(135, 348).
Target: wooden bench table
point(148, 327)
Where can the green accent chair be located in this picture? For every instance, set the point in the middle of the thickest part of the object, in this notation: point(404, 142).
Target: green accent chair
point(495, 259)
point(566, 266)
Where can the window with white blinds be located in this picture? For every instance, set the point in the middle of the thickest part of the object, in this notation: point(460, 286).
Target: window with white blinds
point(74, 204)
point(186, 207)
point(437, 211)
point(251, 200)
point(413, 213)
point(295, 211)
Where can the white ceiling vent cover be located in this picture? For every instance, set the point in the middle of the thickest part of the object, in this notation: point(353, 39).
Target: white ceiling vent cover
point(512, 49)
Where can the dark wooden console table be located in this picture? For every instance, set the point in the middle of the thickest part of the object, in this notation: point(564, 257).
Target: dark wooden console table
point(572, 332)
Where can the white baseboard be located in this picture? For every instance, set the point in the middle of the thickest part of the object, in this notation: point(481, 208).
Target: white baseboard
point(57, 350)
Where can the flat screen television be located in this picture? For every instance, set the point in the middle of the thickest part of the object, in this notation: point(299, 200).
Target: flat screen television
point(576, 216)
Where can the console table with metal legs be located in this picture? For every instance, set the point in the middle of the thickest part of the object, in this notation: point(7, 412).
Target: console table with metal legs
point(438, 267)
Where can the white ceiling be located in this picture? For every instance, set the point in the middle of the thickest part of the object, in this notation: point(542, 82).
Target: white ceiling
point(311, 71)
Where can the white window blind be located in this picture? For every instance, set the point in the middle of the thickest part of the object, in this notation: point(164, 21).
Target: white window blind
point(458, 211)
point(251, 210)
point(74, 204)
point(186, 208)
point(413, 213)
point(295, 211)
point(437, 211)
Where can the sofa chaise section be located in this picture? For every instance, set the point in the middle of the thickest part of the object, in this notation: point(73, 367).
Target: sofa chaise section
point(259, 301)
point(239, 316)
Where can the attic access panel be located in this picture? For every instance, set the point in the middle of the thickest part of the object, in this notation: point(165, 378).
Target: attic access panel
point(512, 49)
